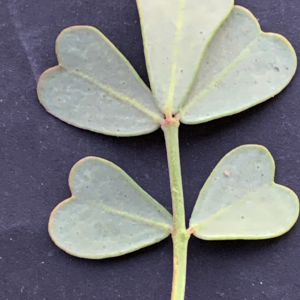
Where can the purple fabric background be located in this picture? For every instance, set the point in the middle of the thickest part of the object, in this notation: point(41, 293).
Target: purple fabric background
point(37, 152)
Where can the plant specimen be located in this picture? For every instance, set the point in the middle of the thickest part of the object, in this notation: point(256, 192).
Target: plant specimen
point(206, 60)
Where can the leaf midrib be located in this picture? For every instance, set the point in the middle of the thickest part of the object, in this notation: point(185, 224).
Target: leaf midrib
point(117, 95)
point(224, 210)
point(137, 218)
point(218, 77)
point(178, 36)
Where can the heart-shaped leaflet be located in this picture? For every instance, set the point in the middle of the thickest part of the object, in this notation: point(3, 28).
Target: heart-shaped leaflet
point(242, 67)
point(108, 214)
point(175, 35)
point(240, 199)
point(95, 88)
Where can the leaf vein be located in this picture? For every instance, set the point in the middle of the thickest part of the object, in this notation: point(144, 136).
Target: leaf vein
point(119, 96)
point(173, 79)
point(218, 77)
point(132, 217)
point(223, 211)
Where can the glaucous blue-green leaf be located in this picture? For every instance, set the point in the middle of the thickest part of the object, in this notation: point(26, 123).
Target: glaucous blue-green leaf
point(175, 35)
point(108, 214)
point(95, 88)
point(240, 199)
point(242, 67)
